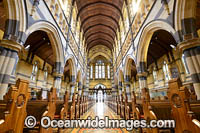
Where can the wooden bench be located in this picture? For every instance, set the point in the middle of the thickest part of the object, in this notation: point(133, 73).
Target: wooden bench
point(177, 107)
point(15, 100)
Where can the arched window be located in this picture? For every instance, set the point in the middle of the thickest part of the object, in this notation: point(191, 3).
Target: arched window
point(34, 71)
point(108, 70)
point(185, 65)
point(100, 85)
point(166, 71)
point(103, 70)
point(99, 70)
point(155, 77)
point(45, 76)
point(96, 71)
point(91, 71)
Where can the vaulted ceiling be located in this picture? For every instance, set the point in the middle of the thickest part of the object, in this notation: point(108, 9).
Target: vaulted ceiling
point(99, 20)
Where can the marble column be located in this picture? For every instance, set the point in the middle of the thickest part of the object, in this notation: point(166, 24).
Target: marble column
point(8, 61)
point(191, 50)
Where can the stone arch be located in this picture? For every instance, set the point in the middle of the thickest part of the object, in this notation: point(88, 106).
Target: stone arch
point(71, 59)
point(146, 36)
point(16, 15)
point(79, 81)
point(120, 76)
point(99, 53)
point(185, 14)
point(127, 61)
point(54, 39)
point(79, 76)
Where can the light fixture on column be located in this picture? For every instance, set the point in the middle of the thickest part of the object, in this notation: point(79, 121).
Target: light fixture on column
point(35, 4)
point(166, 6)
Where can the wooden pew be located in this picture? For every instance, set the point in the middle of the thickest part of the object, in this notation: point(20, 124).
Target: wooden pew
point(77, 106)
point(181, 108)
point(50, 110)
point(118, 105)
point(16, 100)
point(65, 112)
point(126, 107)
point(169, 109)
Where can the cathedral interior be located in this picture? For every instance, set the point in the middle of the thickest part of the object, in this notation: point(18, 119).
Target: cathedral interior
point(122, 59)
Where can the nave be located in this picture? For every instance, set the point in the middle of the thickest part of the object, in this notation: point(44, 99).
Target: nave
point(128, 59)
point(101, 110)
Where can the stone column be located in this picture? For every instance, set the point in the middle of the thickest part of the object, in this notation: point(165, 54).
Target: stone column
point(120, 87)
point(94, 71)
point(142, 80)
point(8, 61)
point(191, 50)
point(128, 87)
point(79, 88)
point(58, 73)
point(57, 83)
point(142, 74)
point(106, 71)
point(72, 88)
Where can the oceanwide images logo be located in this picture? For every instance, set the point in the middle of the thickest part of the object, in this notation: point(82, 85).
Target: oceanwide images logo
point(46, 122)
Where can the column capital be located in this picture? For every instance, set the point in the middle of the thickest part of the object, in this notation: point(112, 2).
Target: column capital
point(11, 45)
point(190, 43)
point(142, 74)
point(57, 75)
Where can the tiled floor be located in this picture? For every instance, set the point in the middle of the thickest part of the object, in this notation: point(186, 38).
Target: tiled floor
point(101, 110)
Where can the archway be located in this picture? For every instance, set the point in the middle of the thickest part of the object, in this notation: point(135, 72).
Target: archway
point(120, 82)
point(79, 81)
point(100, 92)
point(159, 58)
point(69, 77)
point(131, 78)
point(146, 36)
point(55, 41)
point(39, 61)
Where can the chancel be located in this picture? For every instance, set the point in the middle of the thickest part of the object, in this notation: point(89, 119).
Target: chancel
point(133, 62)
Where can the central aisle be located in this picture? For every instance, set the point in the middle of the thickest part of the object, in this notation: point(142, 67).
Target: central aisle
point(101, 110)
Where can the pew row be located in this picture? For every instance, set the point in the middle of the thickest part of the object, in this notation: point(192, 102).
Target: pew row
point(17, 104)
point(179, 106)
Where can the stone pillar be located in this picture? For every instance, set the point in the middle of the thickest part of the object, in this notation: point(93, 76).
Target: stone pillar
point(120, 87)
point(106, 71)
point(128, 87)
point(79, 88)
point(142, 75)
point(8, 61)
point(57, 83)
point(72, 87)
point(142, 80)
point(58, 73)
point(94, 71)
point(191, 50)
